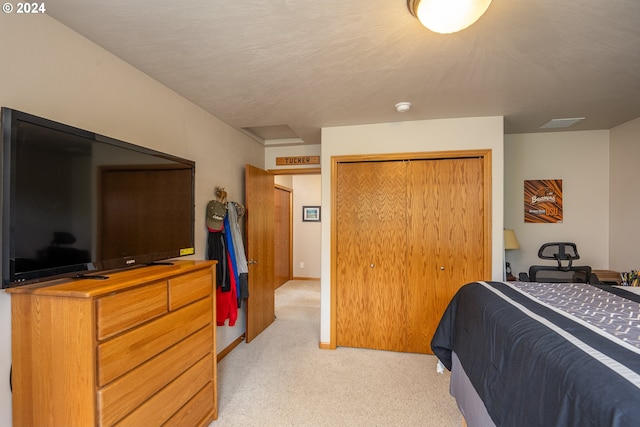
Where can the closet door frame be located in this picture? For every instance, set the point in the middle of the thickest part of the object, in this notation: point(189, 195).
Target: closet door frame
point(435, 155)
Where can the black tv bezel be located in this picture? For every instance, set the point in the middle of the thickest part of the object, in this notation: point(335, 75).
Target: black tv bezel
point(9, 118)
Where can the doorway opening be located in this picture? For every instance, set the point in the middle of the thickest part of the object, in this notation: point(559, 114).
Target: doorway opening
point(297, 245)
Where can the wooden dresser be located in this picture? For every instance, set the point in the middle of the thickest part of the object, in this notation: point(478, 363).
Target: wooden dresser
point(135, 349)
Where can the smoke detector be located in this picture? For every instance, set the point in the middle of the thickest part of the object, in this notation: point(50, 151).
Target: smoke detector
point(403, 107)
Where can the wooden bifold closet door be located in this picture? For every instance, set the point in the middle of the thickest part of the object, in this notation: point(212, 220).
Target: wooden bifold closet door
point(408, 235)
point(371, 254)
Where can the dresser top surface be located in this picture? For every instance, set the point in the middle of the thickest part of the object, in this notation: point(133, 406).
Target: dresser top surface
point(113, 281)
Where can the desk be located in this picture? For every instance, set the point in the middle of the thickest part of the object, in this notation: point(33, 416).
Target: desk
point(634, 289)
point(608, 277)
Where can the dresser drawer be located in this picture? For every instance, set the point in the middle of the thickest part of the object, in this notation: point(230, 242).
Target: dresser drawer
point(190, 287)
point(163, 405)
point(123, 353)
point(199, 411)
point(123, 395)
point(123, 310)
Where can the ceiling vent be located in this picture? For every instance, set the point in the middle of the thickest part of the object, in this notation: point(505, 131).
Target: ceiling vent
point(561, 123)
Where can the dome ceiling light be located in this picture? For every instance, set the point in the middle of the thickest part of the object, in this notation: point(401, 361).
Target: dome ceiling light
point(447, 16)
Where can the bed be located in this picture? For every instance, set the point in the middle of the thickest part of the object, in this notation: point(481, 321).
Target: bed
point(543, 354)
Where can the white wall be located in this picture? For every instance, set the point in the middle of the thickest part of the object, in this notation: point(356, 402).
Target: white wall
point(405, 137)
point(306, 235)
point(50, 71)
point(624, 226)
point(581, 160)
point(284, 180)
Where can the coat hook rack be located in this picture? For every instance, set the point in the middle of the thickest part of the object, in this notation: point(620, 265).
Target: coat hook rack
point(221, 194)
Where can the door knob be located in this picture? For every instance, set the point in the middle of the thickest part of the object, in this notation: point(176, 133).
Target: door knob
point(442, 267)
point(372, 265)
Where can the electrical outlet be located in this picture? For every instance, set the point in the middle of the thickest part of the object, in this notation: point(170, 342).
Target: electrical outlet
point(302, 265)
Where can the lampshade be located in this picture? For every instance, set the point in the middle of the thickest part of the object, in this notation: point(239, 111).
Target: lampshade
point(447, 16)
point(510, 240)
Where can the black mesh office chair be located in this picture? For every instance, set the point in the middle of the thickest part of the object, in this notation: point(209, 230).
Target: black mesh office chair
point(564, 253)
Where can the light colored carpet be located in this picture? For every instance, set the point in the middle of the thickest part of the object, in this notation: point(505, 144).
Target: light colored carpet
point(282, 378)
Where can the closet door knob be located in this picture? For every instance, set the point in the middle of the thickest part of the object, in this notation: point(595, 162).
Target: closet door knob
point(372, 265)
point(442, 267)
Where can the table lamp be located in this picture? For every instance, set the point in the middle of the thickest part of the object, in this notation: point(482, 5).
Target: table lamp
point(510, 243)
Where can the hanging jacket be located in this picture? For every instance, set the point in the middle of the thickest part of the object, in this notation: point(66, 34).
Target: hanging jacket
point(216, 250)
point(241, 258)
point(226, 307)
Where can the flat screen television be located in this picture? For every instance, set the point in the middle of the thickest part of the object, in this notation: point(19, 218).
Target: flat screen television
point(76, 203)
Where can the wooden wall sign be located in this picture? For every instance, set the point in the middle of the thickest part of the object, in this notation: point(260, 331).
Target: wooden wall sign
point(297, 160)
point(543, 200)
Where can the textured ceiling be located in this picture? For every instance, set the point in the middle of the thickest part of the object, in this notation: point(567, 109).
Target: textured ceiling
point(286, 68)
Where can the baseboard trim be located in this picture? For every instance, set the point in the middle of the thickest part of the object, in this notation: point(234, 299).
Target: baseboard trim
point(326, 346)
point(305, 278)
point(230, 347)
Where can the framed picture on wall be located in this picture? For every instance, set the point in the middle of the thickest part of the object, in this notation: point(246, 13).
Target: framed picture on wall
point(543, 201)
point(311, 213)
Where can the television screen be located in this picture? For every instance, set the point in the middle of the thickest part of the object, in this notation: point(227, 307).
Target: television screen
point(75, 202)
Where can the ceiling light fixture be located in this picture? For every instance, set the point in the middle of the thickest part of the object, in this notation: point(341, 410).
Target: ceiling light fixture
point(447, 16)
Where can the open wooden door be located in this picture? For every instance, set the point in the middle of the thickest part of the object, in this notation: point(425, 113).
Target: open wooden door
point(283, 230)
point(260, 217)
